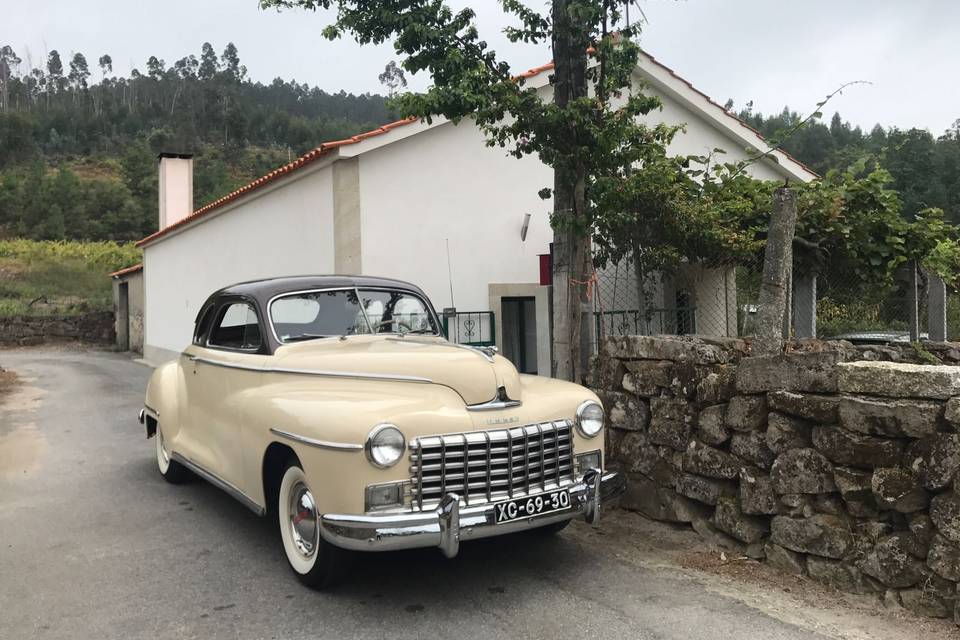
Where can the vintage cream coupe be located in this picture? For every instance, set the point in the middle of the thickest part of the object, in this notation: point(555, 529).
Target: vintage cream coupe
point(336, 404)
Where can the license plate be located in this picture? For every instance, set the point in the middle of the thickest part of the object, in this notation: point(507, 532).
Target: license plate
point(531, 506)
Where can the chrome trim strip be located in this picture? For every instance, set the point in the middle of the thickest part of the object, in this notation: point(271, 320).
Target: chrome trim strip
point(220, 483)
point(320, 444)
point(500, 401)
point(494, 405)
point(387, 377)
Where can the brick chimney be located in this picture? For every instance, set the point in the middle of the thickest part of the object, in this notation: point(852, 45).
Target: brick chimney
point(175, 187)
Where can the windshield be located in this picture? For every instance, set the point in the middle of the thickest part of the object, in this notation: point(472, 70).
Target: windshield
point(323, 314)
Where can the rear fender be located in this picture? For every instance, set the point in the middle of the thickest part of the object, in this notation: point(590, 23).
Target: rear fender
point(162, 400)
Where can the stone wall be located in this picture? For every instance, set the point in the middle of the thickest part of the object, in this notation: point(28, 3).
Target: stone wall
point(30, 330)
point(829, 461)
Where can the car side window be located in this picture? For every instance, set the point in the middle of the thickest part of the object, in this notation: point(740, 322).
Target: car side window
point(236, 327)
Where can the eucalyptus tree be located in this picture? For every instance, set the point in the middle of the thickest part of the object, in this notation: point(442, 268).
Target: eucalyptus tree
point(9, 62)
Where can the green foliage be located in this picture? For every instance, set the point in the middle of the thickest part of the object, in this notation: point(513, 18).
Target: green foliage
point(865, 313)
point(924, 355)
point(924, 169)
point(53, 127)
point(588, 139)
point(620, 184)
point(46, 277)
point(668, 209)
point(851, 222)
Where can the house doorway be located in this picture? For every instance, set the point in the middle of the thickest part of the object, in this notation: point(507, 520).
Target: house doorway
point(519, 326)
point(123, 317)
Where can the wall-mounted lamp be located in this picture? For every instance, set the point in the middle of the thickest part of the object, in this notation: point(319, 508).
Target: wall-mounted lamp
point(526, 225)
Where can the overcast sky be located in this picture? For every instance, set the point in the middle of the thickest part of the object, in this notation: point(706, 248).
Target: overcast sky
point(772, 52)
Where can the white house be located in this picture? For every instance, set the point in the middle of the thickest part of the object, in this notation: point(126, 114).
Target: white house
point(428, 203)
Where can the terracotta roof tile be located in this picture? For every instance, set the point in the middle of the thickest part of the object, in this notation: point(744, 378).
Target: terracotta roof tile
point(123, 272)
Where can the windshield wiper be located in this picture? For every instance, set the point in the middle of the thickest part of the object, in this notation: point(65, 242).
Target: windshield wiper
point(304, 336)
point(419, 331)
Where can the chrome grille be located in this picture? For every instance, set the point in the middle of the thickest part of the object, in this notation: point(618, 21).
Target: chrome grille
point(483, 466)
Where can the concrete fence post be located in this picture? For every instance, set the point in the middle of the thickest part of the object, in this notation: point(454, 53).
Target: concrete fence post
point(913, 309)
point(936, 308)
point(805, 306)
point(788, 304)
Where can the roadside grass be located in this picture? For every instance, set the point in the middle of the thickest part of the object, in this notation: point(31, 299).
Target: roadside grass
point(59, 278)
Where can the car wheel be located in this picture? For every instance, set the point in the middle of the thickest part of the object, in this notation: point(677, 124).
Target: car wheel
point(316, 562)
point(171, 470)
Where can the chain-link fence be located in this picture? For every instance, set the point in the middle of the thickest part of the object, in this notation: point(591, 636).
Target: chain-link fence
point(723, 300)
point(853, 309)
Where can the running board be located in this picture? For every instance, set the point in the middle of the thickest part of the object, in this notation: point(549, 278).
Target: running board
point(220, 483)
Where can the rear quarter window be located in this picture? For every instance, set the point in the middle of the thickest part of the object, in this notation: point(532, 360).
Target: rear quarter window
point(202, 326)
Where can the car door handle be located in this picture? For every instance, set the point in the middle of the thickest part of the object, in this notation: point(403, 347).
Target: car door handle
point(191, 358)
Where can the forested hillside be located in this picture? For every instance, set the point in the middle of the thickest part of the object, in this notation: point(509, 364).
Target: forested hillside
point(925, 167)
point(78, 143)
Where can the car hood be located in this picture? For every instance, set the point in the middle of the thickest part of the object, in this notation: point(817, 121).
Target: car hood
point(472, 374)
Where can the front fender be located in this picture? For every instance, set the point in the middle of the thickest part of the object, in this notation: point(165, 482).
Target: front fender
point(344, 412)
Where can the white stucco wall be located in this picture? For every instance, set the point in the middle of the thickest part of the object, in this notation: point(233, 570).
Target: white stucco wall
point(416, 193)
point(446, 184)
point(286, 230)
point(701, 137)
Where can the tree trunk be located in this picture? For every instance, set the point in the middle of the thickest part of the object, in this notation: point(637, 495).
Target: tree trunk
point(777, 266)
point(571, 249)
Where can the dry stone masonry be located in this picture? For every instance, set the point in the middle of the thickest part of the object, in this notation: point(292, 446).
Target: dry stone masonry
point(830, 461)
point(94, 327)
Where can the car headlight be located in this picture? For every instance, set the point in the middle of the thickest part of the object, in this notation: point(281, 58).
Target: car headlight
point(384, 446)
point(589, 418)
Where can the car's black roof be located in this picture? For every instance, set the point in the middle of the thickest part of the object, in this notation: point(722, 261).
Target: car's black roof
point(263, 290)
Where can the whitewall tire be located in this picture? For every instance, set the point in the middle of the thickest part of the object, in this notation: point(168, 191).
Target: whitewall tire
point(315, 562)
point(171, 470)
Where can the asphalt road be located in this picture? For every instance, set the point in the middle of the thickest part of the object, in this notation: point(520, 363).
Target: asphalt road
point(94, 544)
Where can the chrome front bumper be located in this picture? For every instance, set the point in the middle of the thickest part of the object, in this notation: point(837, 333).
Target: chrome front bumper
point(447, 525)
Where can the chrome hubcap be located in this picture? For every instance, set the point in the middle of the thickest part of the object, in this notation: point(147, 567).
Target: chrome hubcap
point(303, 520)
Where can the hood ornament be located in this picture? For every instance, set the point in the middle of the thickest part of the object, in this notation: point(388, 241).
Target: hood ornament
point(488, 351)
point(500, 401)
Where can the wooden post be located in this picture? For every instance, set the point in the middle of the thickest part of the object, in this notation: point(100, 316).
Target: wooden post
point(936, 308)
point(777, 261)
